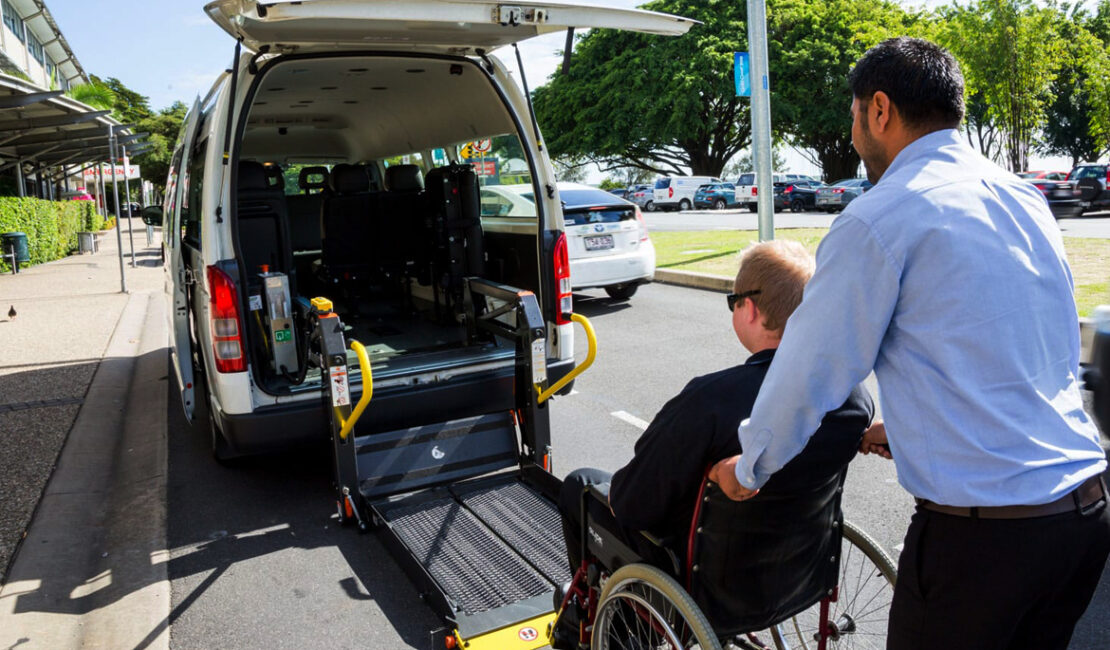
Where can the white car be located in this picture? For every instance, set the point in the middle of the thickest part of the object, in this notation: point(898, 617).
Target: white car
point(607, 238)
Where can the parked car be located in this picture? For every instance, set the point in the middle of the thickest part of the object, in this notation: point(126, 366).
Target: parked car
point(243, 257)
point(622, 192)
point(801, 195)
point(836, 196)
point(129, 210)
point(1093, 181)
point(717, 196)
point(1062, 197)
point(1043, 175)
point(607, 240)
point(643, 196)
point(747, 192)
point(677, 192)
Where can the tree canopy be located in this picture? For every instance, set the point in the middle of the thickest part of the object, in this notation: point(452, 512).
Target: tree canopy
point(659, 104)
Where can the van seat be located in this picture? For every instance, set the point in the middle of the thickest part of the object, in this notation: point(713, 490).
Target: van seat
point(304, 210)
point(402, 219)
point(263, 233)
point(346, 223)
point(456, 242)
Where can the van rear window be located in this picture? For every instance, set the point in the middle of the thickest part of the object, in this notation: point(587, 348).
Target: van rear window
point(662, 183)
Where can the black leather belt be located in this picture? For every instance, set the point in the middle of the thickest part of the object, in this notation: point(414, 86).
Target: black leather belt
point(1089, 493)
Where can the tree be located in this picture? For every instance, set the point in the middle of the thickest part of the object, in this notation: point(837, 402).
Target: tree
point(812, 47)
point(569, 169)
point(163, 128)
point(1008, 50)
point(663, 105)
point(745, 162)
point(611, 184)
point(1072, 128)
point(127, 106)
point(94, 94)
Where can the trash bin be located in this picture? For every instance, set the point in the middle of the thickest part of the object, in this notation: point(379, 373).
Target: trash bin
point(87, 242)
point(18, 242)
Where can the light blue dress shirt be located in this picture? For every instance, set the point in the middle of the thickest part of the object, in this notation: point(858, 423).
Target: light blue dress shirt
point(949, 280)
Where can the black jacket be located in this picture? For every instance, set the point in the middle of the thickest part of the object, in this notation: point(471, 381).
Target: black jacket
point(657, 489)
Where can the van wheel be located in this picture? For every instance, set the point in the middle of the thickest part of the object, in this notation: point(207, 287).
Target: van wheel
point(719, 204)
point(221, 451)
point(622, 291)
point(650, 206)
point(683, 205)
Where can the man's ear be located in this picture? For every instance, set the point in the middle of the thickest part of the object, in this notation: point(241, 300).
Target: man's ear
point(880, 110)
point(752, 313)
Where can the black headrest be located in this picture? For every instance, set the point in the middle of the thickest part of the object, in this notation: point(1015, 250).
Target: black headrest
point(374, 175)
point(305, 184)
point(252, 175)
point(348, 179)
point(403, 178)
point(275, 177)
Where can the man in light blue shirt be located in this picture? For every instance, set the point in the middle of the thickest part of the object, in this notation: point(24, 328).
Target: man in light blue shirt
point(949, 280)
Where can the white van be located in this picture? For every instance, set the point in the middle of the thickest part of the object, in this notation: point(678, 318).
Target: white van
point(747, 192)
point(320, 165)
point(677, 192)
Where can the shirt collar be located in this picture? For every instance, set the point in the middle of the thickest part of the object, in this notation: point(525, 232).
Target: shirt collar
point(763, 356)
point(921, 147)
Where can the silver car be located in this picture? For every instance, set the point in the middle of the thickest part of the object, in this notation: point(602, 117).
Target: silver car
point(838, 195)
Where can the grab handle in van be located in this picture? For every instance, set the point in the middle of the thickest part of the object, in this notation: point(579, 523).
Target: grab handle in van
point(367, 390)
point(591, 353)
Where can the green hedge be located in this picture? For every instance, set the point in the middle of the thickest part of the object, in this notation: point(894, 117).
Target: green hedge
point(51, 226)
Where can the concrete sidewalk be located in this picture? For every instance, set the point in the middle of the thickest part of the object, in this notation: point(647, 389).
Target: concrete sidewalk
point(74, 363)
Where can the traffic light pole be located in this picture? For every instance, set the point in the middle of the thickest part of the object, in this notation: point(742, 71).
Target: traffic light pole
point(761, 118)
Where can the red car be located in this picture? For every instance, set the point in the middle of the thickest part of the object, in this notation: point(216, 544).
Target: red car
point(1043, 175)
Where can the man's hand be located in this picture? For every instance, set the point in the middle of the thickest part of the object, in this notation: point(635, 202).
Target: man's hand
point(724, 475)
point(874, 441)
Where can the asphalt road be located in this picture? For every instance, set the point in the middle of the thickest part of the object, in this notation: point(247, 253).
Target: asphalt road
point(1095, 224)
point(257, 561)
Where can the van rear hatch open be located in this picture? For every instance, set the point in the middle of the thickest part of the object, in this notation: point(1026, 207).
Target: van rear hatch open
point(438, 25)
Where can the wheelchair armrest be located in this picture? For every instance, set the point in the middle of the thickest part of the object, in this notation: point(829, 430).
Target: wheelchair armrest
point(610, 549)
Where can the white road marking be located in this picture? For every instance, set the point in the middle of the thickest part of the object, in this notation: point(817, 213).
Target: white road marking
point(631, 419)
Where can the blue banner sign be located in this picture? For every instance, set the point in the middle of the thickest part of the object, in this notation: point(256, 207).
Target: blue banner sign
point(743, 73)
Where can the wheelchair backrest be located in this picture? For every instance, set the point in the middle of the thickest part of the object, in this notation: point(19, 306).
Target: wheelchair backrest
point(754, 563)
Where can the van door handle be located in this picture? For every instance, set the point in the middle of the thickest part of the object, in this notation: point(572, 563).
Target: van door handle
point(188, 277)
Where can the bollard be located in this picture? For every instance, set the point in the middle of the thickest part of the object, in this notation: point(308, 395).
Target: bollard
point(149, 235)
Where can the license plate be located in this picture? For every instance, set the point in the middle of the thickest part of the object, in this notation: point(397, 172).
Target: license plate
point(1061, 193)
point(599, 243)
point(823, 200)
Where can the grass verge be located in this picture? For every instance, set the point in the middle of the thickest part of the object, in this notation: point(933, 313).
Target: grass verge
point(718, 252)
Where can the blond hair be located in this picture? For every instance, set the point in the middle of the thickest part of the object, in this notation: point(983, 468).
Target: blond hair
point(779, 270)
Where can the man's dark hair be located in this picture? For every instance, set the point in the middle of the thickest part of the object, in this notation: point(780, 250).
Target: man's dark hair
point(922, 79)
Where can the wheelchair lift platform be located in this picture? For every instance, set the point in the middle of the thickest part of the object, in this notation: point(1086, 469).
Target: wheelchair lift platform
point(467, 507)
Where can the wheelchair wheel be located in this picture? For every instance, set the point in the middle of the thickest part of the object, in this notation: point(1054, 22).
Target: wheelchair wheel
point(643, 608)
point(858, 618)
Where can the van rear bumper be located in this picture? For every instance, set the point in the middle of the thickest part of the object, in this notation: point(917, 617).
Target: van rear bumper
point(287, 426)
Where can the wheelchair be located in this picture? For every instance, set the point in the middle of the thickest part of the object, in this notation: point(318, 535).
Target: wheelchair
point(788, 565)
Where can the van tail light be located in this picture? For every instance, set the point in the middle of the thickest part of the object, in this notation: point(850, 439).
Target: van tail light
point(1108, 175)
point(643, 224)
point(563, 299)
point(755, 190)
point(838, 190)
point(670, 192)
point(227, 334)
point(789, 189)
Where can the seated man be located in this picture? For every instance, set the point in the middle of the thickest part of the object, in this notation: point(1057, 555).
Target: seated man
point(657, 490)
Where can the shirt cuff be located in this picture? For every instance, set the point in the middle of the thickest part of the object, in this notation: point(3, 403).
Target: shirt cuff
point(746, 472)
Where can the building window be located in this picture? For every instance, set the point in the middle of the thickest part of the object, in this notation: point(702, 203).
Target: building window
point(13, 21)
point(35, 46)
point(49, 63)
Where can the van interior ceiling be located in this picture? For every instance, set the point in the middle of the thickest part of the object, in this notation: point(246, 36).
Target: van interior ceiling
point(379, 183)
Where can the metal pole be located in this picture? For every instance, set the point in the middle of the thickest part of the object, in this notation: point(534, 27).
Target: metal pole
point(19, 175)
point(119, 222)
point(127, 197)
point(101, 204)
point(761, 117)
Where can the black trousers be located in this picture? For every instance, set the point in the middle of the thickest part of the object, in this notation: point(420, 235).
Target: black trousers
point(570, 507)
point(982, 584)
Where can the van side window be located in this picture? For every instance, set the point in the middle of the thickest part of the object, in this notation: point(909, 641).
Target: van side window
point(191, 198)
point(171, 191)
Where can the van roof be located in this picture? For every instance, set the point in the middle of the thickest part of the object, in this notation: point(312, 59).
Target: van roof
point(456, 26)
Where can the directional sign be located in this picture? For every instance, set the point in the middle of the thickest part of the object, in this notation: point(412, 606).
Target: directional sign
point(742, 72)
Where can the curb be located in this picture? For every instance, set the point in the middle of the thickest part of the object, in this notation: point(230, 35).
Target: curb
point(91, 571)
point(696, 280)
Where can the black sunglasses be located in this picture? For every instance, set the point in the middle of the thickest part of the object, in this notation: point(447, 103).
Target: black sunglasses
point(734, 298)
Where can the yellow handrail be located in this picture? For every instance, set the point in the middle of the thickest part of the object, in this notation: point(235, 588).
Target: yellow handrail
point(591, 353)
point(367, 390)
